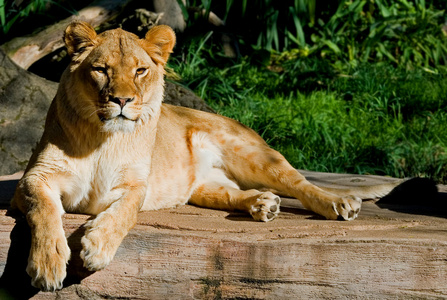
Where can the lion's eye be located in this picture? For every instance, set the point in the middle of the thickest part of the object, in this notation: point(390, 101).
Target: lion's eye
point(100, 70)
point(141, 71)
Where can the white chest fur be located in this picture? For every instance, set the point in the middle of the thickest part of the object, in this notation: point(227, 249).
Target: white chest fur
point(93, 183)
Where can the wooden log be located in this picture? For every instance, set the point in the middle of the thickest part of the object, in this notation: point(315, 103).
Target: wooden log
point(24, 51)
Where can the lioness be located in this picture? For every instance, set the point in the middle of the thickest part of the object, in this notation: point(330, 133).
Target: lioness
point(111, 148)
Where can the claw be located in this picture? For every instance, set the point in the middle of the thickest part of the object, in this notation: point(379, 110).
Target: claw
point(348, 208)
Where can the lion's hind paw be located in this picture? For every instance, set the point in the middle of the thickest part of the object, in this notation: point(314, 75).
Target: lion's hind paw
point(266, 207)
point(347, 208)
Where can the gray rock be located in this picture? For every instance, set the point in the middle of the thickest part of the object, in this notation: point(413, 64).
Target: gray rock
point(24, 102)
point(178, 95)
point(171, 13)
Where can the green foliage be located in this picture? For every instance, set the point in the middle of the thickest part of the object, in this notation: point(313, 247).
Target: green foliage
point(373, 119)
point(11, 13)
point(407, 33)
point(22, 17)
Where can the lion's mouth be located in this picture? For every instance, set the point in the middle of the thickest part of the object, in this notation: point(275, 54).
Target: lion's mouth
point(118, 123)
point(121, 116)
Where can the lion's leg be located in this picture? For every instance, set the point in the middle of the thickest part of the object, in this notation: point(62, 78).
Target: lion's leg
point(216, 190)
point(263, 206)
point(261, 166)
point(49, 252)
point(104, 234)
point(217, 195)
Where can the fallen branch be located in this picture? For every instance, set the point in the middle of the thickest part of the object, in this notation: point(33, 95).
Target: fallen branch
point(24, 51)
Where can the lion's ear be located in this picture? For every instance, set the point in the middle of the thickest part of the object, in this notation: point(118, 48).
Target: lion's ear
point(160, 40)
point(78, 37)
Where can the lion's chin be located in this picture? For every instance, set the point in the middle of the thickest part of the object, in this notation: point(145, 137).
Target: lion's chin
point(119, 124)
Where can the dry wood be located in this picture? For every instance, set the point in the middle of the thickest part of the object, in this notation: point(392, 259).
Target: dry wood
point(24, 51)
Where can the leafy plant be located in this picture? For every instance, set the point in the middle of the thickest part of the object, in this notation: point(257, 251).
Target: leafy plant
point(11, 13)
point(408, 33)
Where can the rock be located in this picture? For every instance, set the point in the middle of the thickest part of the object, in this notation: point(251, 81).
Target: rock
point(25, 99)
point(178, 95)
point(171, 13)
point(195, 253)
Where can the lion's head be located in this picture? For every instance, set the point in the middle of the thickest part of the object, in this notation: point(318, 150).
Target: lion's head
point(115, 78)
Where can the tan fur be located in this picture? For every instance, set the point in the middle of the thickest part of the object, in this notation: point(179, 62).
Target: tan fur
point(110, 149)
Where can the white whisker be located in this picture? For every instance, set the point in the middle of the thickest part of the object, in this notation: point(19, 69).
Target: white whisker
point(94, 112)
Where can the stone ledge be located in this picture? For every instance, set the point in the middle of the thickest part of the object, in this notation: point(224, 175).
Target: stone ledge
point(194, 253)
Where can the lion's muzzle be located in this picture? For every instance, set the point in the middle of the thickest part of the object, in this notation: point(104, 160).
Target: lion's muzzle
point(121, 101)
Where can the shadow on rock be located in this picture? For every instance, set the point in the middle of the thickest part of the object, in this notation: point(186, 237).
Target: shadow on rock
point(416, 196)
point(15, 283)
point(7, 189)
point(75, 269)
point(239, 217)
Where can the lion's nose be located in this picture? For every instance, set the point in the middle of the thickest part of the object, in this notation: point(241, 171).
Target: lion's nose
point(120, 101)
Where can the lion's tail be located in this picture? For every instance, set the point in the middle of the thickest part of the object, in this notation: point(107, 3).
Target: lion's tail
point(365, 192)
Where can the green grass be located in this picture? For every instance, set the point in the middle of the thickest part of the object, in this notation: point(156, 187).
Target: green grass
point(405, 33)
point(372, 119)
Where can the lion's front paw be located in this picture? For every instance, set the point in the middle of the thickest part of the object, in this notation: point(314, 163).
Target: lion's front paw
point(98, 247)
point(266, 207)
point(347, 208)
point(48, 260)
